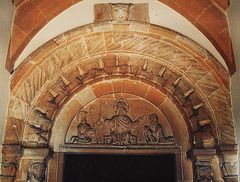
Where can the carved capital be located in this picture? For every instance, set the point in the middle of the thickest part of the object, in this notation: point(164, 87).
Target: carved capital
point(10, 160)
point(229, 163)
point(32, 165)
point(203, 171)
point(205, 165)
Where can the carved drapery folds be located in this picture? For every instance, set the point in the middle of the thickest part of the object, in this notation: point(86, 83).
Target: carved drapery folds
point(178, 86)
point(119, 122)
point(185, 75)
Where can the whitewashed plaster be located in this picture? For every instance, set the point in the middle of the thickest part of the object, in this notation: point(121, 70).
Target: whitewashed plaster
point(82, 13)
point(6, 19)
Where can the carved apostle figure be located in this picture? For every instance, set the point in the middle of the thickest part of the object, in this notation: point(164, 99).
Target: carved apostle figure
point(84, 129)
point(153, 132)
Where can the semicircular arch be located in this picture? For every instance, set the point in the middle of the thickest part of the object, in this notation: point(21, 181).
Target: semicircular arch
point(165, 59)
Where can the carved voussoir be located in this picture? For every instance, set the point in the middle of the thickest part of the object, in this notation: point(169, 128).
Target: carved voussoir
point(65, 81)
point(53, 93)
point(161, 72)
point(186, 94)
point(196, 107)
point(176, 82)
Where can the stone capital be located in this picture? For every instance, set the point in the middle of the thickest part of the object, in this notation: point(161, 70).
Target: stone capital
point(205, 164)
point(9, 163)
point(229, 163)
point(32, 165)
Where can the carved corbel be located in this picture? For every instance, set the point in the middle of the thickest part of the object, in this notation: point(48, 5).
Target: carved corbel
point(65, 81)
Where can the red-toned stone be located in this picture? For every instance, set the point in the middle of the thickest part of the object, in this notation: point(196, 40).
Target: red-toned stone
point(155, 97)
point(18, 36)
point(17, 3)
point(223, 3)
point(213, 20)
point(134, 87)
point(194, 8)
point(50, 9)
point(226, 54)
point(27, 17)
point(117, 86)
point(103, 88)
point(225, 44)
point(31, 16)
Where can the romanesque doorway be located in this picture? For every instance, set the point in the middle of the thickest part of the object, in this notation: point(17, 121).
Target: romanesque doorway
point(119, 168)
point(120, 88)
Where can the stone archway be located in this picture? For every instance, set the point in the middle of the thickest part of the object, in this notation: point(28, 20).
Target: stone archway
point(175, 78)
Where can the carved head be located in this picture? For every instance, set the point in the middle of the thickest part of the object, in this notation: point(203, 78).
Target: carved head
point(120, 12)
point(153, 119)
point(35, 170)
point(82, 117)
point(120, 107)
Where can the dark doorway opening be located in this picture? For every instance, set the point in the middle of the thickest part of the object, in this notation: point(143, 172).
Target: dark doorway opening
point(114, 168)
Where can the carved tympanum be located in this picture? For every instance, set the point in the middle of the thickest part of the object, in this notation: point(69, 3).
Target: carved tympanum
point(122, 121)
